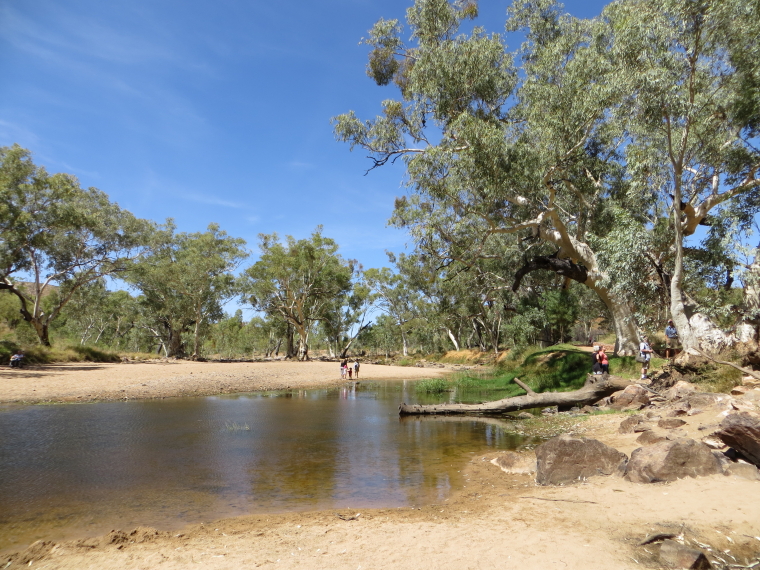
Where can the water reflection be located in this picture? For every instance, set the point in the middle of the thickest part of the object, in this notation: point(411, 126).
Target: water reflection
point(73, 470)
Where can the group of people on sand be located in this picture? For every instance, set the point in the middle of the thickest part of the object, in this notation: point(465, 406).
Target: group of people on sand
point(347, 370)
point(600, 363)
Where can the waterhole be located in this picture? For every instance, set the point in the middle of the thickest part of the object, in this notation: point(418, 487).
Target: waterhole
point(71, 471)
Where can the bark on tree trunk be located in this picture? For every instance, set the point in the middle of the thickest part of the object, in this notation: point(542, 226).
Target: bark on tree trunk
point(453, 339)
point(595, 388)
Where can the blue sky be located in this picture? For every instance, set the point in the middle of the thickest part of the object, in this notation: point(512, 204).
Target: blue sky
point(210, 111)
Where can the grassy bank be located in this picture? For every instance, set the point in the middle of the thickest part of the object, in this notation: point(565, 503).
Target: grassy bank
point(557, 368)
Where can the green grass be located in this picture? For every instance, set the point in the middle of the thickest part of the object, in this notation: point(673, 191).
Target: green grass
point(433, 386)
point(557, 368)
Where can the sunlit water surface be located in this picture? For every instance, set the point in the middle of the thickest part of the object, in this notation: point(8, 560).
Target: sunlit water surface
point(70, 471)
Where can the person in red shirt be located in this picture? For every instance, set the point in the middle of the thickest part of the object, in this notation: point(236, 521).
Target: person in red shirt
point(601, 356)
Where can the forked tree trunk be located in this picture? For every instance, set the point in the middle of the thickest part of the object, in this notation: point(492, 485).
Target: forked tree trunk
point(595, 388)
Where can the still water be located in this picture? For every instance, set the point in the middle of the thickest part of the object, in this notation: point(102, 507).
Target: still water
point(70, 471)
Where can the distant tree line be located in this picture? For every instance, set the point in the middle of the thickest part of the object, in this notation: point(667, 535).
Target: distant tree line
point(554, 191)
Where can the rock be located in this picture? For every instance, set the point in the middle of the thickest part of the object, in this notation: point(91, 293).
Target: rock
point(743, 471)
point(677, 555)
point(750, 381)
point(516, 463)
point(627, 425)
point(742, 432)
point(525, 416)
point(643, 426)
point(670, 423)
point(671, 460)
point(680, 390)
point(550, 410)
point(694, 412)
point(680, 409)
point(633, 397)
point(704, 399)
point(589, 409)
point(676, 433)
point(565, 459)
point(723, 459)
point(653, 416)
point(741, 405)
point(752, 395)
point(713, 442)
point(650, 437)
point(739, 390)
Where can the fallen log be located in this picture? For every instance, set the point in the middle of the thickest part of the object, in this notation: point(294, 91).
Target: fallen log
point(595, 388)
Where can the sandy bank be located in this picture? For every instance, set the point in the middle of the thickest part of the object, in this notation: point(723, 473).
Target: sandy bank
point(81, 382)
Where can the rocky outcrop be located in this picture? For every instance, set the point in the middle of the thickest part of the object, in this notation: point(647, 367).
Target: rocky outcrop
point(565, 459)
point(671, 460)
point(742, 432)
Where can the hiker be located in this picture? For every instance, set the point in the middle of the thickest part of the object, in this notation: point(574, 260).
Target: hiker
point(601, 356)
point(16, 359)
point(356, 369)
point(671, 339)
point(646, 354)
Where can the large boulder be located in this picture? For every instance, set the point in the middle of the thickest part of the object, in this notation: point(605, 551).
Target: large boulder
point(742, 432)
point(671, 460)
point(633, 397)
point(565, 459)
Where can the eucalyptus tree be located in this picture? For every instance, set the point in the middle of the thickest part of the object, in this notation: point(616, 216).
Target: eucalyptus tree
point(53, 233)
point(185, 281)
point(349, 316)
point(574, 151)
point(299, 281)
point(501, 157)
point(692, 69)
point(397, 299)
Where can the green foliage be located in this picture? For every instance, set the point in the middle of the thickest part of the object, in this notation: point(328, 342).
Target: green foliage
point(573, 149)
point(184, 283)
point(298, 282)
point(58, 233)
